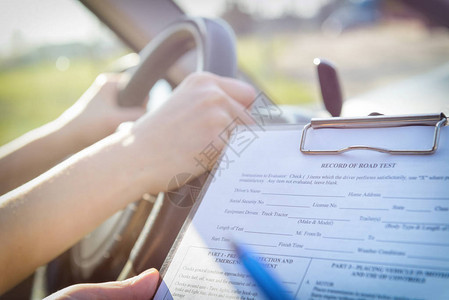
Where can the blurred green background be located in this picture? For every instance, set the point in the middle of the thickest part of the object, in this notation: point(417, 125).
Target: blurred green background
point(32, 95)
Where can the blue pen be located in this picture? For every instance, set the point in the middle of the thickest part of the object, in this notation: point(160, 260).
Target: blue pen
point(267, 282)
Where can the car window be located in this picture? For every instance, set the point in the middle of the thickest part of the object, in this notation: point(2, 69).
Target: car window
point(50, 52)
point(372, 43)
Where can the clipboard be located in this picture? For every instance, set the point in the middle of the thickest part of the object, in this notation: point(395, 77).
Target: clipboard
point(436, 120)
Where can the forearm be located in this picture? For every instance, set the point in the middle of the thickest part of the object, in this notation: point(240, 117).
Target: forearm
point(94, 116)
point(42, 218)
point(62, 205)
point(34, 153)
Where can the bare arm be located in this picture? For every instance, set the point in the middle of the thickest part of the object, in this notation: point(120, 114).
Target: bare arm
point(94, 116)
point(49, 214)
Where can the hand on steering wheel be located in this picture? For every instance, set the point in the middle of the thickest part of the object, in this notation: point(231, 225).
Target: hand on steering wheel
point(103, 255)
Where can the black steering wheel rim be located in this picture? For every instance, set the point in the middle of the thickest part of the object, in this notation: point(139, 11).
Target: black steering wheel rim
point(213, 40)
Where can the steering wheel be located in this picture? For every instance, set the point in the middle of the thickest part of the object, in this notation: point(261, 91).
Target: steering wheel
point(153, 221)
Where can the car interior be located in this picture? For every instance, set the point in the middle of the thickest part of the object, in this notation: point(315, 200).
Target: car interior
point(168, 39)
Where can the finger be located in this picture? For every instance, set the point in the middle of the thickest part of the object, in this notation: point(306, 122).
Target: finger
point(239, 113)
point(240, 91)
point(142, 286)
point(145, 102)
point(107, 78)
point(130, 114)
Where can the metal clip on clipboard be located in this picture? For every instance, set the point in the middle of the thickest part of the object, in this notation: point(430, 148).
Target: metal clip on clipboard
point(436, 120)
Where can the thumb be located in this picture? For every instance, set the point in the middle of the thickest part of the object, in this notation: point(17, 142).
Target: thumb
point(142, 286)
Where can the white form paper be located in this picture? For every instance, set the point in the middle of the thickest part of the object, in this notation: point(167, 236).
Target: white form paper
point(359, 225)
